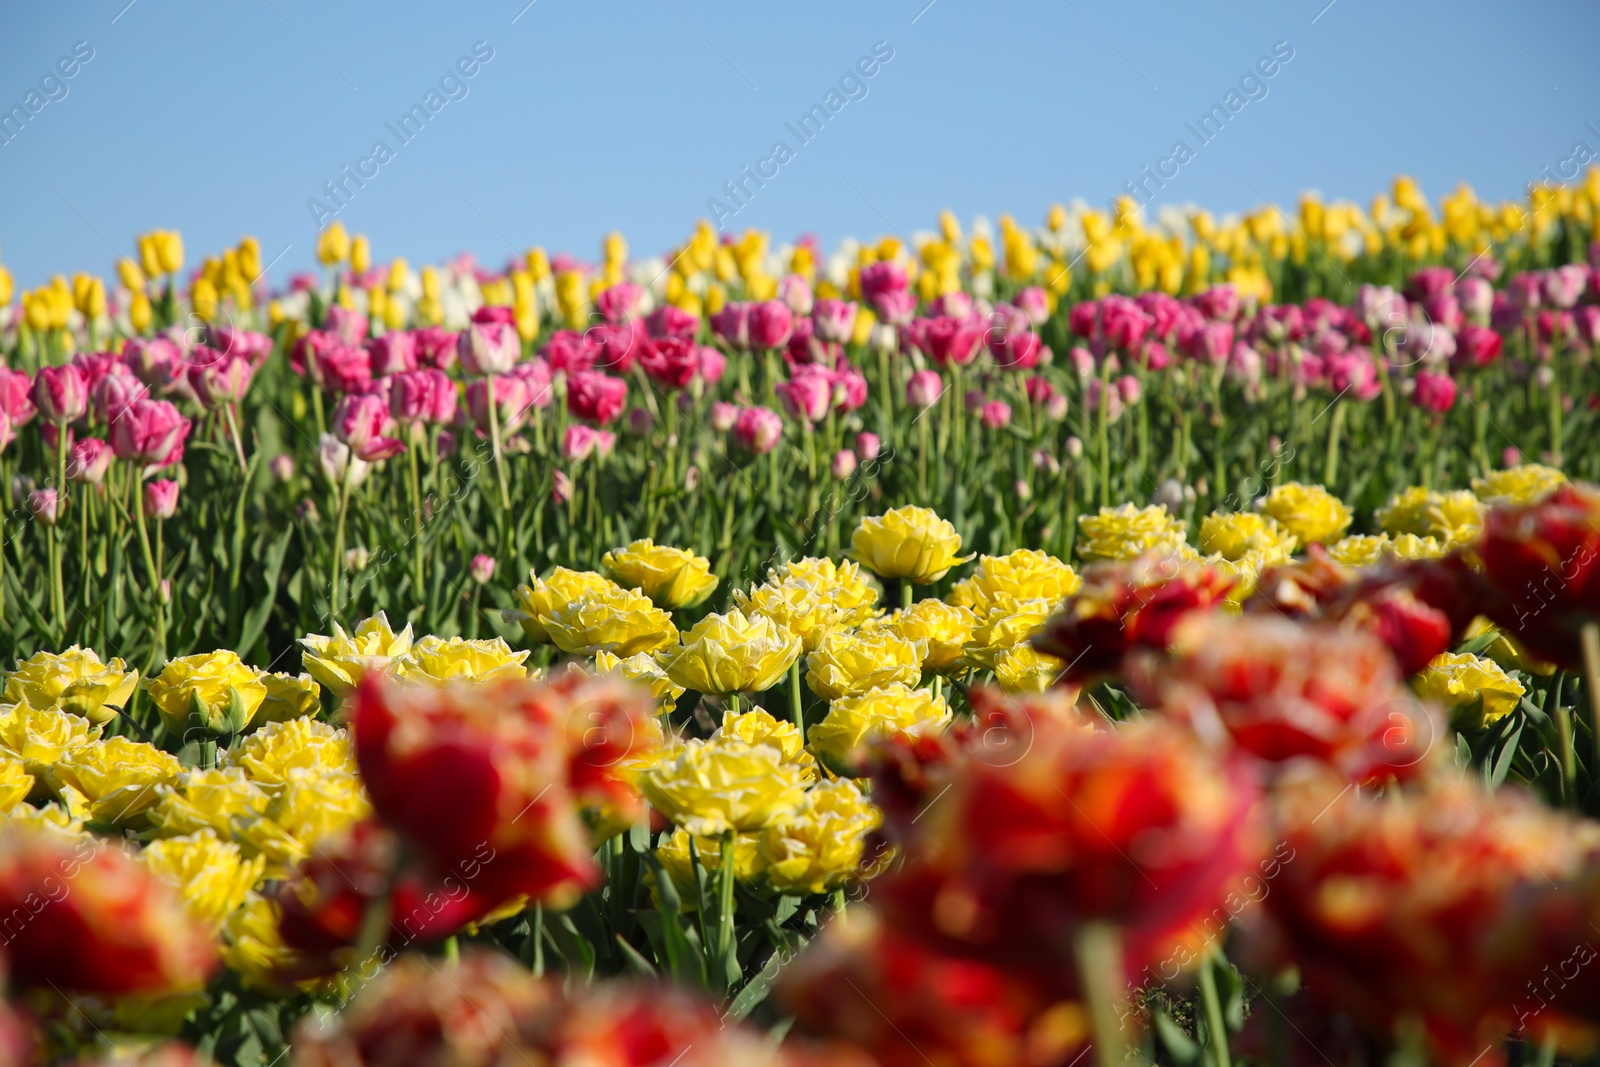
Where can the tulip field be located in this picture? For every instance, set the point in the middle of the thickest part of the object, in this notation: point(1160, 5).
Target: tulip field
point(1122, 640)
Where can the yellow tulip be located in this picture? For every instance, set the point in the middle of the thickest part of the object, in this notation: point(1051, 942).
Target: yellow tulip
point(910, 542)
point(544, 595)
point(74, 681)
point(1309, 512)
point(211, 691)
point(732, 653)
point(333, 245)
point(1477, 692)
point(672, 577)
point(823, 846)
point(846, 662)
point(711, 788)
point(440, 659)
point(612, 620)
point(855, 720)
point(339, 662)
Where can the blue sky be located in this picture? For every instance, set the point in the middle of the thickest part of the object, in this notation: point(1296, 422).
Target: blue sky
point(592, 115)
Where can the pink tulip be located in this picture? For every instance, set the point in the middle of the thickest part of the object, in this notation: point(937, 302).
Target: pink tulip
point(282, 467)
point(246, 344)
point(956, 305)
point(1477, 346)
point(796, 292)
point(1035, 302)
point(895, 307)
point(45, 505)
point(15, 400)
point(343, 368)
point(486, 348)
point(161, 498)
point(436, 346)
point(770, 323)
point(512, 399)
point(362, 421)
point(1017, 349)
point(732, 324)
point(758, 430)
point(616, 346)
point(582, 441)
point(537, 376)
point(1443, 309)
point(1564, 285)
point(669, 320)
point(481, 568)
point(1430, 281)
point(394, 352)
point(1476, 296)
point(1587, 320)
point(1130, 389)
point(849, 389)
point(561, 487)
point(1355, 373)
point(422, 396)
point(90, 460)
point(713, 364)
point(348, 326)
point(568, 352)
point(670, 362)
point(723, 415)
point(149, 433)
point(806, 397)
point(924, 389)
point(1210, 344)
point(1434, 392)
point(1525, 291)
point(996, 414)
point(60, 393)
point(7, 434)
point(844, 464)
point(884, 286)
point(947, 341)
point(221, 382)
point(1038, 390)
point(1220, 303)
point(148, 358)
point(619, 303)
point(596, 397)
point(834, 321)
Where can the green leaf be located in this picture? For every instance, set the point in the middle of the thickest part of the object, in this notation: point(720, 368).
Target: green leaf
point(1183, 1049)
point(635, 961)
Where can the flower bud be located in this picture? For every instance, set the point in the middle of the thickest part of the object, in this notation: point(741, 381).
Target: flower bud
point(723, 416)
point(1044, 461)
point(282, 467)
point(161, 498)
point(61, 393)
point(482, 568)
point(45, 505)
point(924, 389)
point(90, 460)
point(561, 490)
point(867, 446)
point(1129, 388)
point(996, 414)
point(1075, 447)
point(1023, 490)
point(844, 464)
point(758, 430)
point(691, 478)
point(1055, 409)
point(640, 421)
point(357, 558)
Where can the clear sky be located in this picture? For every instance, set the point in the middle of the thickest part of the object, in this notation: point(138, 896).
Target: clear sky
point(222, 119)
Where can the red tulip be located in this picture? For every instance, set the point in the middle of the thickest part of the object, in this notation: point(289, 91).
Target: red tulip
point(83, 917)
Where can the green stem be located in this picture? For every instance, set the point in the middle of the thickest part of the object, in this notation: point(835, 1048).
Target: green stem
point(1215, 1023)
point(725, 871)
point(336, 565)
point(1589, 637)
point(1098, 947)
point(796, 707)
point(1330, 466)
